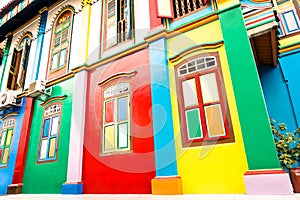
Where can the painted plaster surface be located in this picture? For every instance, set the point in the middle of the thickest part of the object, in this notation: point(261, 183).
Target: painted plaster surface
point(215, 168)
point(6, 173)
point(127, 172)
point(48, 177)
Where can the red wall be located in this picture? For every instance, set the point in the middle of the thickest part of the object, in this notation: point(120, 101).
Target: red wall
point(126, 172)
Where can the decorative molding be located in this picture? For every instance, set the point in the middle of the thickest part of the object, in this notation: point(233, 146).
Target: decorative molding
point(195, 48)
point(10, 115)
point(53, 99)
point(116, 76)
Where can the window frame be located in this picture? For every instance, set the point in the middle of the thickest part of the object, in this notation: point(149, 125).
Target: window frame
point(19, 62)
point(116, 122)
point(117, 13)
point(9, 127)
point(42, 138)
point(227, 123)
point(56, 50)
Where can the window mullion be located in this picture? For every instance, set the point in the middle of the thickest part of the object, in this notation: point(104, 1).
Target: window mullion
point(201, 106)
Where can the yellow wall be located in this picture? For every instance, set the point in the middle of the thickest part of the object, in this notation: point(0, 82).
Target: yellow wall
point(215, 168)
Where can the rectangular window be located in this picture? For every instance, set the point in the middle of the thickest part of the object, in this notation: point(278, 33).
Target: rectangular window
point(54, 61)
point(116, 136)
point(201, 103)
point(291, 21)
point(62, 59)
point(118, 24)
point(49, 136)
point(6, 138)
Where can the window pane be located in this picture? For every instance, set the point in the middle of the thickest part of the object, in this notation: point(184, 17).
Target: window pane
point(123, 135)
point(290, 20)
point(43, 149)
point(52, 147)
point(5, 156)
point(209, 88)
point(57, 40)
point(55, 125)
point(65, 35)
point(3, 138)
point(62, 59)
point(109, 138)
point(46, 127)
point(189, 93)
point(9, 136)
point(214, 121)
point(193, 124)
point(109, 112)
point(54, 61)
point(122, 109)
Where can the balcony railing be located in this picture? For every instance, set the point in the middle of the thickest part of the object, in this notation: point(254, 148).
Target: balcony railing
point(184, 7)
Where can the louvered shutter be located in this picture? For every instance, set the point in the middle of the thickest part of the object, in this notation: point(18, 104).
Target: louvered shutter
point(112, 27)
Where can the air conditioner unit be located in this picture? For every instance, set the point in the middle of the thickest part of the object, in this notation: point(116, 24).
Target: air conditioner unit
point(8, 99)
point(37, 88)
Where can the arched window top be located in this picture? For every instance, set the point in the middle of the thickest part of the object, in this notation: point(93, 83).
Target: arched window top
point(197, 64)
point(63, 20)
point(8, 123)
point(116, 89)
point(52, 110)
point(25, 40)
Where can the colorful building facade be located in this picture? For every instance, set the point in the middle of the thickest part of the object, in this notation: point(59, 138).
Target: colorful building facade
point(140, 96)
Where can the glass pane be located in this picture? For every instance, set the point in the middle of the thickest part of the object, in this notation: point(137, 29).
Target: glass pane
point(109, 138)
point(52, 147)
point(3, 138)
point(109, 112)
point(193, 124)
point(214, 121)
point(189, 93)
point(122, 109)
point(290, 21)
point(123, 135)
point(55, 125)
point(209, 88)
point(43, 149)
point(46, 127)
point(5, 156)
point(54, 62)
point(62, 59)
point(9, 136)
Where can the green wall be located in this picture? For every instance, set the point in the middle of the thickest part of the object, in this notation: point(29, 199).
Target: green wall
point(258, 139)
point(48, 177)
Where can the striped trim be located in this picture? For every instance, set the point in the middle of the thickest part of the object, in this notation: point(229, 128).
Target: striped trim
point(261, 172)
point(53, 99)
point(196, 48)
point(10, 115)
point(116, 76)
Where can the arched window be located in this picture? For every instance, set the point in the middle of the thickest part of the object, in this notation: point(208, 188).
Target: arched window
point(6, 136)
point(49, 134)
point(61, 41)
point(17, 70)
point(116, 118)
point(203, 105)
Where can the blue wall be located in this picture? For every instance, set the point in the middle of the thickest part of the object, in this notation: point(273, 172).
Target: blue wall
point(277, 97)
point(6, 174)
point(281, 87)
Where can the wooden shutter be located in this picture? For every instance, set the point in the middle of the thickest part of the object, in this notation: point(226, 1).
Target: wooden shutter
point(111, 24)
point(22, 69)
point(128, 19)
point(164, 8)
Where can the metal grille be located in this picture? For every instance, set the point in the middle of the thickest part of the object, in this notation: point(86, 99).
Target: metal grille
point(183, 7)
